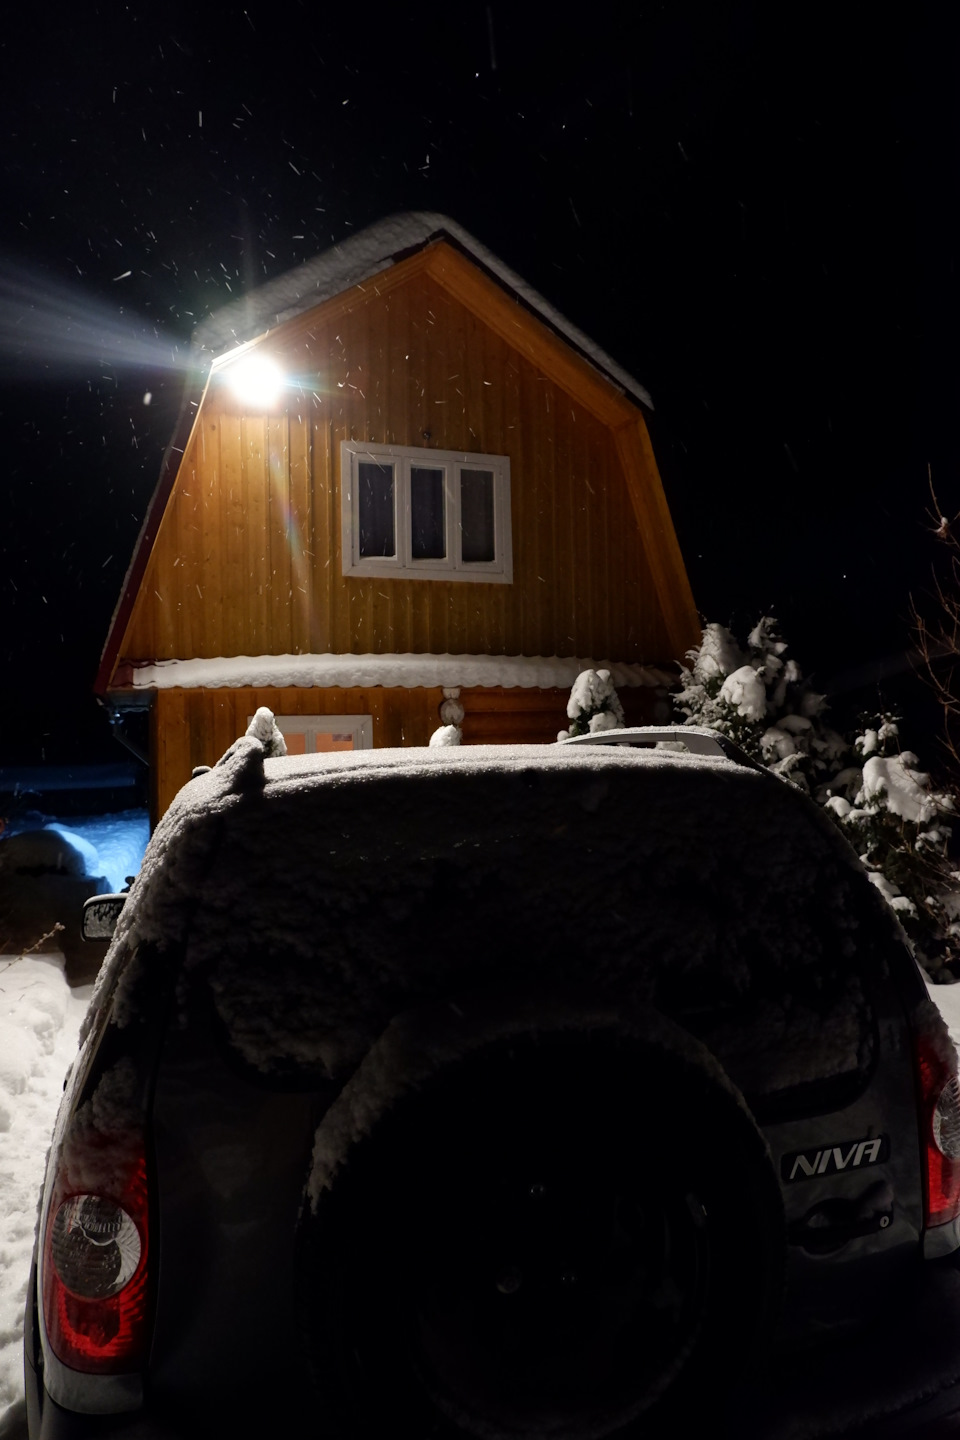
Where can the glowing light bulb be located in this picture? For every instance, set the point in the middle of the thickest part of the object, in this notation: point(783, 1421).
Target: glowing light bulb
point(256, 380)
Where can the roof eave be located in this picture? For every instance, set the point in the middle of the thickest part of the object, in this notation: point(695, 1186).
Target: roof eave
point(193, 395)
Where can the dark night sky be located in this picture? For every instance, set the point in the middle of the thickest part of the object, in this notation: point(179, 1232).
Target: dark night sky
point(752, 207)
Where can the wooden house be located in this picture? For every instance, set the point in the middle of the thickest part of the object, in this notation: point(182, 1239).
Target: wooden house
point(404, 480)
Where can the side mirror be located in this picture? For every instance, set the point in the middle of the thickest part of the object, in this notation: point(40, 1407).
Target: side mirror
point(100, 916)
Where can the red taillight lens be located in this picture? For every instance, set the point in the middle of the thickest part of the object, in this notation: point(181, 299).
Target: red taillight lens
point(940, 1132)
point(95, 1272)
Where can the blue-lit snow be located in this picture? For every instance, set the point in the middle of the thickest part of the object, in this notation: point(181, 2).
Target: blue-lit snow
point(107, 845)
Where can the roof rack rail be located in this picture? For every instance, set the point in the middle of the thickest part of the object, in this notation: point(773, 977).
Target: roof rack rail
point(695, 738)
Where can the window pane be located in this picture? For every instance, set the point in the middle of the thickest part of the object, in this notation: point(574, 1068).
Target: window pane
point(426, 514)
point(476, 515)
point(327, 742)
point(375, 484)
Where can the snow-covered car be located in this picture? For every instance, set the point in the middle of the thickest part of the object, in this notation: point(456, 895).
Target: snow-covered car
point(500, 1091)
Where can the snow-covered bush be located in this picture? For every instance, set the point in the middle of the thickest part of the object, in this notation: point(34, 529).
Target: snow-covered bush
point(759, 698)
point(593, 705)
point(263, 727)
point(446, 735)
point(888, 808)
point(900, 825)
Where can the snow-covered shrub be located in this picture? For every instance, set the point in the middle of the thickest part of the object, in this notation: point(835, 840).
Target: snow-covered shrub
point(262, 740)
point(888, 808)
point(446, 735)
point(452, 712)
point(759, 698)
point(263, 727)
point(900, 825)
point(593, 705)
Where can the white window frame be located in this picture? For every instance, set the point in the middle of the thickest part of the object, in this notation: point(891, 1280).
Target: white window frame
point(359, 726)
point(498, 571)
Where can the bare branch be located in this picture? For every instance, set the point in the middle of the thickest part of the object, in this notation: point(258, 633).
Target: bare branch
point(49, 934)
point(938, 638)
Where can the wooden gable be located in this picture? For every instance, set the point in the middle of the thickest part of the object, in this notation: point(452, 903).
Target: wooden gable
point(244, 558)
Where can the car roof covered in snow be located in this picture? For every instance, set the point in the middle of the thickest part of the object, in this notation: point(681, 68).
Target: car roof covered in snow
point(713, 806)
point(394, 876)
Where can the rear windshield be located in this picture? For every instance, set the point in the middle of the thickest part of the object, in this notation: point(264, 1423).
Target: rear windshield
point(719, 897)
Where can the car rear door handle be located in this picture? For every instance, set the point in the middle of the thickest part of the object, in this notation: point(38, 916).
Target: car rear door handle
point(834, 1223)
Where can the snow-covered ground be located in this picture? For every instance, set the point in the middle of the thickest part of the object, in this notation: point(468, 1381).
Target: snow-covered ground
point(110, 845)
point(39, 1022)
point(947, 1000)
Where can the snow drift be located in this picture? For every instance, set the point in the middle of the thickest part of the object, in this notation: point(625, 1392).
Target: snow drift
point(39, 1021)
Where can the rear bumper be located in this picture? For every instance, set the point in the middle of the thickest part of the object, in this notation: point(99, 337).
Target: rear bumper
point(850, 1416)
point(900, 1381)
point(935, 1420)
point(46, 1420)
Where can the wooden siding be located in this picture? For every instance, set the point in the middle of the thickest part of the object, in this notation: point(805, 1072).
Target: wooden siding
point(535, 717)
point(247, 557)
point(195, 727)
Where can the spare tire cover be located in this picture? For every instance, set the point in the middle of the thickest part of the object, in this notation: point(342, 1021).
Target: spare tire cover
point(534, 1220)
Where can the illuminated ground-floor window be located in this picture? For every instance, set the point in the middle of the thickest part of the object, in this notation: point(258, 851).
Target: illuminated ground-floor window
point(315, 734)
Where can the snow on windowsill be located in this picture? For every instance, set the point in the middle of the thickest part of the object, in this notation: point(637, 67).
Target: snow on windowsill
point(390, 671)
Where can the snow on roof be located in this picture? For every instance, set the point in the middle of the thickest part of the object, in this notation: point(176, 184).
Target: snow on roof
point(364, 255)
point(391, 671)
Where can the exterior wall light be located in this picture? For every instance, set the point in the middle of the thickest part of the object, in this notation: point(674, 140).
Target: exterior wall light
point(256, 381)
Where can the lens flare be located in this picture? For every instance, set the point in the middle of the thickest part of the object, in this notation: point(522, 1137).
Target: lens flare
point(51, 328)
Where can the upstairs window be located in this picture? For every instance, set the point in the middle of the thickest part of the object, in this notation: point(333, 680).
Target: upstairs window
point(435, 514)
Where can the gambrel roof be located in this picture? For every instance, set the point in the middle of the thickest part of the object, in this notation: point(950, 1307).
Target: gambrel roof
point(368, 253)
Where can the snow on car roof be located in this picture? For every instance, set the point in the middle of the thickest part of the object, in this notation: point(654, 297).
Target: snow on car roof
point(325, 894)
point(176, 858)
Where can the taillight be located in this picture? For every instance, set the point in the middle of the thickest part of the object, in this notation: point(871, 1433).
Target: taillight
point(940, 1129)
point(95, 1265)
